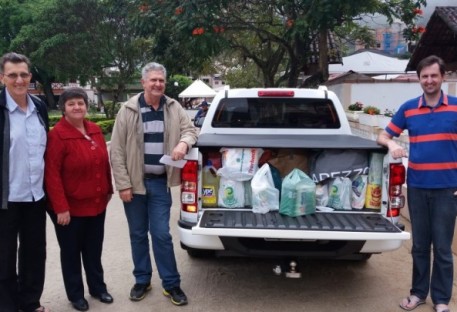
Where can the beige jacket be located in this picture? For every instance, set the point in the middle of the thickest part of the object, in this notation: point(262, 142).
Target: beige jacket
point(127, 144)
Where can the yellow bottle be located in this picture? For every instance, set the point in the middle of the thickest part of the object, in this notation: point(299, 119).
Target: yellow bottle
point(210, 185)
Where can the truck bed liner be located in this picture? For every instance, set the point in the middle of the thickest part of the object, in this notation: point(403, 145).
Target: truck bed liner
point(320, 221)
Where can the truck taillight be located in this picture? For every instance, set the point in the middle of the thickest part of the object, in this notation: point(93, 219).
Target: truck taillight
point(397, 176)
point(189, 182)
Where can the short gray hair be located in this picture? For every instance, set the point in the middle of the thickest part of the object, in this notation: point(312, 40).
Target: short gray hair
point(153, 66)
point(14, 58)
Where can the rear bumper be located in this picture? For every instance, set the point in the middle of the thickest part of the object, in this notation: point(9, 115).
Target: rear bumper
point(321, 244)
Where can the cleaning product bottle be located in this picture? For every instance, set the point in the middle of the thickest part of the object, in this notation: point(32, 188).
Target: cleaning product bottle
point(210, 185)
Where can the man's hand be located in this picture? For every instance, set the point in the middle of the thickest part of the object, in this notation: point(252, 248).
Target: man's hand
point(396, 150)
point(126, 195)
point(179, 151)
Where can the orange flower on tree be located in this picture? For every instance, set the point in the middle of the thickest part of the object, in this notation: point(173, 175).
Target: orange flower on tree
point(179, 10)
point(198, 31)
point(218, 29)
point(290, 23)
point(144, 8)
point(418, 11)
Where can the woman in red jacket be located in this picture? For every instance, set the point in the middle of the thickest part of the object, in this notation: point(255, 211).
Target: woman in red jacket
point(78, 185)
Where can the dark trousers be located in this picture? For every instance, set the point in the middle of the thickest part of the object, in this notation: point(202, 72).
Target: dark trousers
point(22, 289)
point(81, 239)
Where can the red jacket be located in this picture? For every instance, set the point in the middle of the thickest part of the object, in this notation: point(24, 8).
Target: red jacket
point(77, 171)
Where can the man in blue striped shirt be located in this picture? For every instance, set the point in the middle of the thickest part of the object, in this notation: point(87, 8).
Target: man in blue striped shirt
point(148, 126)
point(431, 121)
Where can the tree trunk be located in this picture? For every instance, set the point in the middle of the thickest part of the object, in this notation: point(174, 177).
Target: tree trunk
point(323, 53)
point(47, 89)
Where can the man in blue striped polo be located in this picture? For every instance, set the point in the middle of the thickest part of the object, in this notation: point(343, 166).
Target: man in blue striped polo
point(431, 121)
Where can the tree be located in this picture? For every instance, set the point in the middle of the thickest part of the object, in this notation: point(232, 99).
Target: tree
point(277, 34)
point(176, 84)
point(58, 39)
point(82, 39)
point(14, 16)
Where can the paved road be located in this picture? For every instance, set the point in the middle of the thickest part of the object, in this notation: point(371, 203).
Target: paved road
point(243, 284)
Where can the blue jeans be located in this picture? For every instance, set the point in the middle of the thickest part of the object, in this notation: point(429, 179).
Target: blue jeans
point(151, 212)
point(433, 213)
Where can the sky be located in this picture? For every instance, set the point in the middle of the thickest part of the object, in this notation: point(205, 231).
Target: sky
point(428, 11)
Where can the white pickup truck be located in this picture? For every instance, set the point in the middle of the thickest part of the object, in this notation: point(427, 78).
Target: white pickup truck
point(301, 120)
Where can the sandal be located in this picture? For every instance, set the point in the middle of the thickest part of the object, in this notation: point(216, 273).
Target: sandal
point(411, 302)
point(443, 308)
point(42, 309)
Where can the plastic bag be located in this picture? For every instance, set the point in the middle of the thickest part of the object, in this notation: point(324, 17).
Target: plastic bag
point(231, 193)
point(288, 202)
point(265, 197)
point(239, 164)
point(338, 163)
point(306, 197)
point(374, 192)
point(340, 194)
point(359, 190)
point(322, 195)
point(247, 193)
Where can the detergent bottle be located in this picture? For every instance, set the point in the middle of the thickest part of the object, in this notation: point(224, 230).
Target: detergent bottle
point(210, 185)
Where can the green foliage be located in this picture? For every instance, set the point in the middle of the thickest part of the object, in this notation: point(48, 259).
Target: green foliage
point(55, 116)
point(357, 106)
point(111, 108)
point(106, 125)
point(243, 76)
point(275, 35)
point(371, 110)
point(176, 84)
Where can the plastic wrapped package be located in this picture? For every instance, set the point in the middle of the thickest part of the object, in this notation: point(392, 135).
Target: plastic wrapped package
point(239, 164)
point(359, 190)
point(265, 197)
point(340, 193)
point(231, 193)
point(290, 204)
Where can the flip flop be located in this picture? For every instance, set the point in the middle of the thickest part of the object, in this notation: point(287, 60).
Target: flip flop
point(42, 309)
point(411, 302)
point(444, 309)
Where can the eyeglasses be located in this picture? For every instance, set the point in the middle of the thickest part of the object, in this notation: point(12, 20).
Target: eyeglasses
point(14, 76)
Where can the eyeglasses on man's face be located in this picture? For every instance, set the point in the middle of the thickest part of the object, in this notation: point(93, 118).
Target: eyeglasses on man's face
point(15, 76)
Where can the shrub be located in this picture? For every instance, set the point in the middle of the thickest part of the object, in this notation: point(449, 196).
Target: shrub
point(357, 106)
point(106, 125)
point(371, 110)
point(389, 113)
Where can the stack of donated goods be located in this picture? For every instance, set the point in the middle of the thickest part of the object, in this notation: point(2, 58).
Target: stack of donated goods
point(292, 181)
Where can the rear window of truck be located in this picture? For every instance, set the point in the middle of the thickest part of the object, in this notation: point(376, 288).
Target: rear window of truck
point(278, 113)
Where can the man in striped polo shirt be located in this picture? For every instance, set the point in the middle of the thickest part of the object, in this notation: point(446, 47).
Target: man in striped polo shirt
point(148, 126)
point(431, 121)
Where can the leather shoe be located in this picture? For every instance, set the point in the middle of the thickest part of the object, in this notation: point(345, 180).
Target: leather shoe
point(81, 304)
point(105, 298)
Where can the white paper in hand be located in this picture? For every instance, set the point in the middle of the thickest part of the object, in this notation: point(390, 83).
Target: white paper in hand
point(175, 163)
